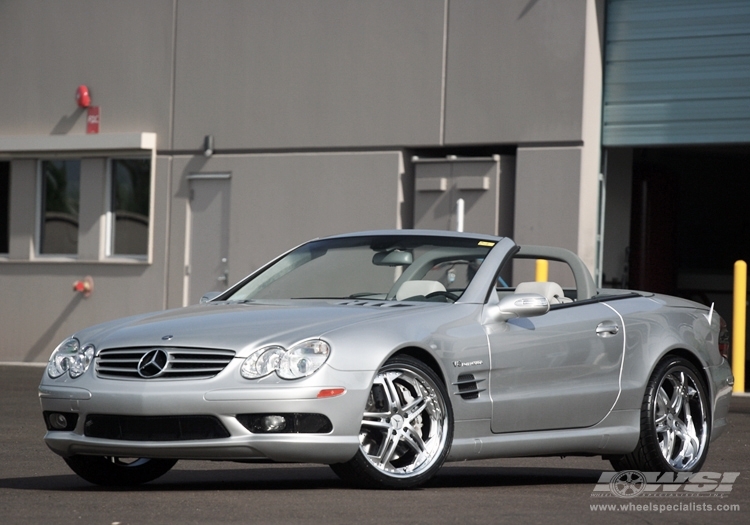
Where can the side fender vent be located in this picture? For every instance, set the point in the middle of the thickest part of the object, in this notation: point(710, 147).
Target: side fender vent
point(468, 386)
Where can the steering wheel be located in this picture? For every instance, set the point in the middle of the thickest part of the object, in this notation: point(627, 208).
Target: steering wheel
point(447, 295)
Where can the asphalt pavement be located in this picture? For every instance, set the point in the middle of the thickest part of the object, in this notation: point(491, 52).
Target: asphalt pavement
point(36, 486)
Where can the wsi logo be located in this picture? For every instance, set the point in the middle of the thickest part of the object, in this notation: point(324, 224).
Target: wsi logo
point(632, 483)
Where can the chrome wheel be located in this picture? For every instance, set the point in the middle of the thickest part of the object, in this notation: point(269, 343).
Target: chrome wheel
point(404, 425)
point(407, 428)
point(680, 420)
point(675, 421)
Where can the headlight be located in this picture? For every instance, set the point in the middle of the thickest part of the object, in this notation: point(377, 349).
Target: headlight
point(262, 362)
point(300, 360)
point(303, 359)
point(81, 361)
point(70, 357)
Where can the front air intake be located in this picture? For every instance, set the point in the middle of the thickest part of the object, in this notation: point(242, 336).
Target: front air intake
point(154, 428)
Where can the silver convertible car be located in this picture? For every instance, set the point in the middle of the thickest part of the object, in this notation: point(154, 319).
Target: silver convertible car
point(385, 354)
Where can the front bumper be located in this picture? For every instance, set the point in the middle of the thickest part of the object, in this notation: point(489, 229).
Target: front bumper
point(223, 397)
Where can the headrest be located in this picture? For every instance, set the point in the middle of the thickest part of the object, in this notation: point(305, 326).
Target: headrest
point(552, 291)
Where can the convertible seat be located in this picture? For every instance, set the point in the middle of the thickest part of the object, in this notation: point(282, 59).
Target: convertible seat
point(418, 288)
point(552, 291)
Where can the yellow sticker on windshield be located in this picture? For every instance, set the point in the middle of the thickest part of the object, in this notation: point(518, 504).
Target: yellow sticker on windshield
point(486, 243)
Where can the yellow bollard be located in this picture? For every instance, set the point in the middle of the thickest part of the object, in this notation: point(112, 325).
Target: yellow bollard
point(542, 270)
point(739, 320)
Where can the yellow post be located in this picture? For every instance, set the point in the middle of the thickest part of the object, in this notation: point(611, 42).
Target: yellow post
point(739, 319)
point(542, 270)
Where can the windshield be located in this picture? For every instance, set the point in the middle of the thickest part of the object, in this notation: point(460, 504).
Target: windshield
point(401, 268)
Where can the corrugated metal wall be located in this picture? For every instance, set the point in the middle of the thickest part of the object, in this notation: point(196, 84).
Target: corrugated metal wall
point(677, 72)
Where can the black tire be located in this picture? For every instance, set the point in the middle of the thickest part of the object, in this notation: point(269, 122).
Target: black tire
point(118, 472)
point(407, 428)
point(675, 421)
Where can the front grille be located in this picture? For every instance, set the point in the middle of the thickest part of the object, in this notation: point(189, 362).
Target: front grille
point(180, 363)
point(154, 428)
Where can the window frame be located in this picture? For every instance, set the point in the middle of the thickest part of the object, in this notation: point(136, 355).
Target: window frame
point(109, 222)
point(26, 153)
point(4, 255)
point(106, 218)
point(40, 211)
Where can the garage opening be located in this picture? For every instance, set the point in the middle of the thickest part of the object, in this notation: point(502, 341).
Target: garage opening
point(677, 219)
point(675, 131)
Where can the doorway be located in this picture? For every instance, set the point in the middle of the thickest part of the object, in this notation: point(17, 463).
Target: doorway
point(689, 219)
point(208, 235)
point(685, 224)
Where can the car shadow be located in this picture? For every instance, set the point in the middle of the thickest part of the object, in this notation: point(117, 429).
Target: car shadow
point(309, 478)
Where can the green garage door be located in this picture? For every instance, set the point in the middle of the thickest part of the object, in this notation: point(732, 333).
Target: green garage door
point(677, 72)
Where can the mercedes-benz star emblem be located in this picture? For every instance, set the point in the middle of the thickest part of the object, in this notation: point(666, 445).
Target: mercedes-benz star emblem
point(153, 363)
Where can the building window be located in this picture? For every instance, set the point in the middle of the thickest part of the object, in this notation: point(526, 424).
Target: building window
point(130, 199)
point(60, 204)
point(4, 206)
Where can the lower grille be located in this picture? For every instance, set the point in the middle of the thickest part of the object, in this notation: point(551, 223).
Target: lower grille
point(170, 363)
point(154, 428)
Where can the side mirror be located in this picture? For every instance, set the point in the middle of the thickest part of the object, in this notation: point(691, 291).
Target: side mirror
point(519, 305)
point(209, 297)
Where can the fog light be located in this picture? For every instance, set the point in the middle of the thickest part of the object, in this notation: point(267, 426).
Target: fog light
point(274, 423)
point(58, 421)
point(286, 423)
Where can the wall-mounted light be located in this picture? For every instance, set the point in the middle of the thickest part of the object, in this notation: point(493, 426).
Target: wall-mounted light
point(208, 145)
point(84, 286)
point(83, 97)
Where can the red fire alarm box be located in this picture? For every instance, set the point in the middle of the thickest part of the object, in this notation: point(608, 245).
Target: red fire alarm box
point(92, 120)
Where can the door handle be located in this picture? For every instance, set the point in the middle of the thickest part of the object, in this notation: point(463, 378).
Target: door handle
point(607, 329)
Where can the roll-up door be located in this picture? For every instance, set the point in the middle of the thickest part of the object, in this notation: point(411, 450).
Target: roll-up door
point(677, 72)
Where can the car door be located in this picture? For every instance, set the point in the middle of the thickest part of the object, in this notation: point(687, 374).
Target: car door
point(559, 370)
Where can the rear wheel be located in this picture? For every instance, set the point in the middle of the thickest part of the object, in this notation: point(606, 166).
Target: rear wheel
point(675, 422)
point(407, 428)
point(113, 471)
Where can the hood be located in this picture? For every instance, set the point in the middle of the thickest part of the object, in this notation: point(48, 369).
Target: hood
point(239, 327)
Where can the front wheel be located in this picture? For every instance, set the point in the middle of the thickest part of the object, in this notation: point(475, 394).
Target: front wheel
point(407, 428)
point(118, 472)
point(675, 422)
